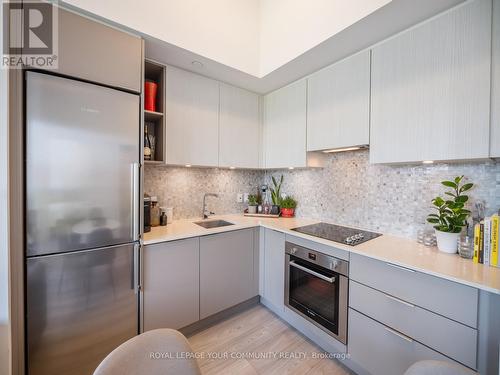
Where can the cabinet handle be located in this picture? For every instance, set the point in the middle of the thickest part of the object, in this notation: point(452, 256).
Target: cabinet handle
point(400, 301)
point(400, 335)
point(135, 278)
point(399, 267)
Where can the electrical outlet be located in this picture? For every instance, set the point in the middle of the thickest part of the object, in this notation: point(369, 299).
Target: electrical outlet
point(245, 197)
point(239, 198)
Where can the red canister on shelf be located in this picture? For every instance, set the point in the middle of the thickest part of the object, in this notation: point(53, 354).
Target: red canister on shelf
point(150, 89)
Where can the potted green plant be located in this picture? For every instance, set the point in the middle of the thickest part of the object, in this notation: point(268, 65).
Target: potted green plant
point(276, 195)
point(288, 205)
point(252, 204)
point(451, 215)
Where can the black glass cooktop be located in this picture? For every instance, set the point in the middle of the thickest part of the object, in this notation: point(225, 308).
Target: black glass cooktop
point(337, 233)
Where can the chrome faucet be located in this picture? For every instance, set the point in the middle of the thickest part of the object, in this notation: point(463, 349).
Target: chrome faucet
point(204, 213)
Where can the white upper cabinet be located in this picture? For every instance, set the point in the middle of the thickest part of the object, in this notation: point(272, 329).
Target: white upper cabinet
point(239, 128)
point(192, 110)
point(338, 104)
point(495, 84)
point(431, 89)
point(285, 128)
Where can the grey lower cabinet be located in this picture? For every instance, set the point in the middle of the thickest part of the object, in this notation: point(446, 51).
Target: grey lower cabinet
point(226, 270)
point(398, 316)
point(274, 270)
point(452, 300)
point(171, 284)
point(188, 280)
point(444, 335)
point(381, 350)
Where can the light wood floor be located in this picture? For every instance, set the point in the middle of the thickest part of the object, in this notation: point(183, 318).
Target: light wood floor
point(258, 331)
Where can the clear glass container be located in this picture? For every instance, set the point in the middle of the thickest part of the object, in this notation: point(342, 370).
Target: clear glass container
point(466, 247)
point(430, 238)
point(155, 212)
point(420, 235)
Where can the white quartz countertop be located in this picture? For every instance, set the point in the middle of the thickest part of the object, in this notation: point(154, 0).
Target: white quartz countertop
point(396, 250)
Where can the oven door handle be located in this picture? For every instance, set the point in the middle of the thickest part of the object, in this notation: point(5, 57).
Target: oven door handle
point(331, 280)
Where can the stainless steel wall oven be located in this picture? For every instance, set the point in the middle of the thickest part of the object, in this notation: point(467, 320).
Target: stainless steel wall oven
point(316, 287)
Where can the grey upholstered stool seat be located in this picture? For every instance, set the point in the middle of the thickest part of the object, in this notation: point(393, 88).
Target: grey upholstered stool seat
point(437, 368)
point(157, 352)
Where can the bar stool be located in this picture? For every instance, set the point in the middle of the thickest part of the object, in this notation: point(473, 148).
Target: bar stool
point(156, 352)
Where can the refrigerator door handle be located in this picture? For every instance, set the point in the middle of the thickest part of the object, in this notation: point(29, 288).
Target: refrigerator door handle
point(135, 269)
point(135, 202)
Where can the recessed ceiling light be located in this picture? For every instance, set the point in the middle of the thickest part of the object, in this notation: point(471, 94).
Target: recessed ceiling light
point(290, 168)
point(232, 168)
point(188, 165)
point(343, 149)
point(428, 162)
point(197, 64)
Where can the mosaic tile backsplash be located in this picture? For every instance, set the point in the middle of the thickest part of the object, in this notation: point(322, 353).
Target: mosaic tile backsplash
point(349, 190)
point(183, 188)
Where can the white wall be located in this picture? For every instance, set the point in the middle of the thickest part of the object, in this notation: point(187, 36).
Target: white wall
point(291, 27)
point(226, 31)
point(4, 256)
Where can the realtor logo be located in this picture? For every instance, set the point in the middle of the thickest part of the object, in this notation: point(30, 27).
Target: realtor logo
point(29, 34)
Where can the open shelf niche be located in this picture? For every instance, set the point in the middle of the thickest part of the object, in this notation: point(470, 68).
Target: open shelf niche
point(154, 122)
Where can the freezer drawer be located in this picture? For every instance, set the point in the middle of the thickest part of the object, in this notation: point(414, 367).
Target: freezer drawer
point(80, 306)
point(82, 155)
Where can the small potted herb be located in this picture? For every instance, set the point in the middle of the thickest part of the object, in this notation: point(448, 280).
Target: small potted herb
point(288, 205)
point(451, 215)
point(252, 204)
point(276, 195)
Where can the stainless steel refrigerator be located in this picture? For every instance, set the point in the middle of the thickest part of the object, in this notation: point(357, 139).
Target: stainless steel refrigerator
point(82, 222)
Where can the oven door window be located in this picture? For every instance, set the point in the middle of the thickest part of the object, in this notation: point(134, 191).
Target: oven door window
point(314, 296)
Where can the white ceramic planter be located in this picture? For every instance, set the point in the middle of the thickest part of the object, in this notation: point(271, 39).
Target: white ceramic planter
point(252, 209)
point(447, 242)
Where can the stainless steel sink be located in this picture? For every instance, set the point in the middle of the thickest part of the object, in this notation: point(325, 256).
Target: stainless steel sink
point(213, 223)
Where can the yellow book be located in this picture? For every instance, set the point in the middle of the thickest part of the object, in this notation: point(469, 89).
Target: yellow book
point(495, 222)
point(477, 234)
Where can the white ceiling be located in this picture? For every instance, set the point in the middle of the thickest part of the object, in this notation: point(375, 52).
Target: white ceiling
point(259, 45)
point(288, 28)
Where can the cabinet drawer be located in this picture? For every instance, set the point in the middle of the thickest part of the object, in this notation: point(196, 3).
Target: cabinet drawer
point(453, 300)
point(442, 334)
point(383, 351)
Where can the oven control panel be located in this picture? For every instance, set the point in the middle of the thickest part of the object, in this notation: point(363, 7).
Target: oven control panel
point(323, 260)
